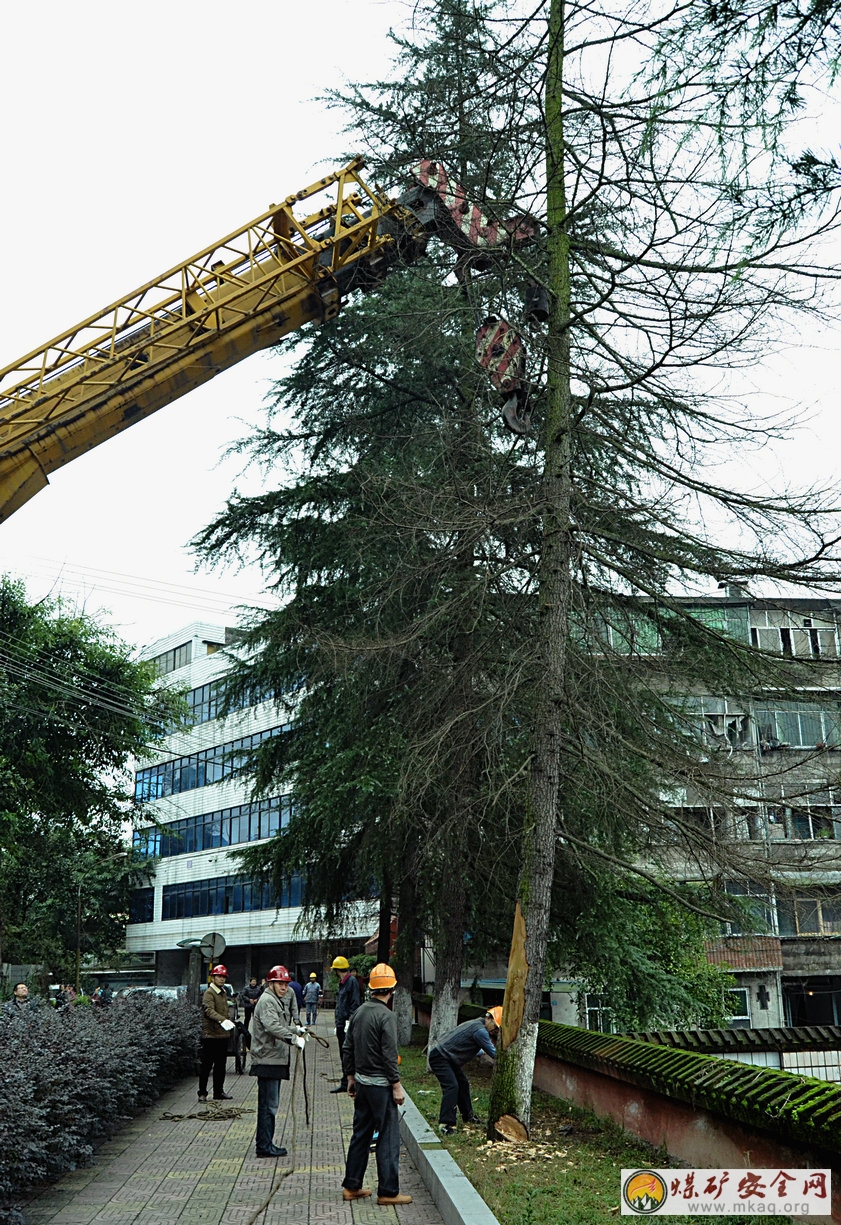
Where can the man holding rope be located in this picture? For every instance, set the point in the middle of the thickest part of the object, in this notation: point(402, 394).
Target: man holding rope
point(273, 1031)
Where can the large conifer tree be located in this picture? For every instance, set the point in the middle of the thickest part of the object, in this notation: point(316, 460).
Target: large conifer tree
point(490, 629)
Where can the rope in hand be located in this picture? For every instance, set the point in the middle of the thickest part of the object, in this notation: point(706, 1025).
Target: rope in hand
point(210, 1113)
point(280, 1175)
point(326, 1045)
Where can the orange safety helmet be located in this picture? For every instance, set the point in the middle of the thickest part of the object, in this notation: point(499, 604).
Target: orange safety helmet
point(220, 969)
point(382, 978)
point(278, 974)
point(495, 1014)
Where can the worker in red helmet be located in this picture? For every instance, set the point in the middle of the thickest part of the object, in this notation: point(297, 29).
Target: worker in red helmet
point(215, 1028)
point(370, 1059)
point(472, 1039)
point(274, 1029)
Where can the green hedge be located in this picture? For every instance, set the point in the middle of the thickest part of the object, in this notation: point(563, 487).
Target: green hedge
point(71, 1077)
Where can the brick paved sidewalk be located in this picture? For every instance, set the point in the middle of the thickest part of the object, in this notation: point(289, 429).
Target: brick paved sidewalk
point(204, 1171)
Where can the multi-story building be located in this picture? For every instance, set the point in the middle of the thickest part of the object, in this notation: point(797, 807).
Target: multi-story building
point(194, 812)
point(788, 821)
point(784, 756)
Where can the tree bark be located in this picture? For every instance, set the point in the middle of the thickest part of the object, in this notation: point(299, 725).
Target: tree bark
point(384, 927)
point(403, 962)
point(449, 960)
point(512, 1084)
point(453, 906)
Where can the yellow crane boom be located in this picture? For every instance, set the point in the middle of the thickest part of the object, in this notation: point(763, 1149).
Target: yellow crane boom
point(174, 333)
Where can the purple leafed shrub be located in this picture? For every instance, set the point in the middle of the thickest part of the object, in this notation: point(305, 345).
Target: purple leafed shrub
point(71, 1077)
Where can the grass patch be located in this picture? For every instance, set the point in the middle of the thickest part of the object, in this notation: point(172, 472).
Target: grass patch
point(569, 1174)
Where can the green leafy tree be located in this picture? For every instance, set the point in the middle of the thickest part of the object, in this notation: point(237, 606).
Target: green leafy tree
point(75, 708)
point(642, 952)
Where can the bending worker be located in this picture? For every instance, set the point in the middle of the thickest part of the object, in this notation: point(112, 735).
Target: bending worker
point(465, 1042)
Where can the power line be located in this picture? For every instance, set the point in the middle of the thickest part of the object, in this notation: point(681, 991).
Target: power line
point(142, 587)
point(180, 743)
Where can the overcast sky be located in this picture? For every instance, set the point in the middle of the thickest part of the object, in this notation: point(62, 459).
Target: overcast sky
point(133, 136)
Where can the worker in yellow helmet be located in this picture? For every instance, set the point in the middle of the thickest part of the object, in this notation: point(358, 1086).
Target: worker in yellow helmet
point(370, 1059)
point(467, 1041)
point(348, 999)
point(312, 998)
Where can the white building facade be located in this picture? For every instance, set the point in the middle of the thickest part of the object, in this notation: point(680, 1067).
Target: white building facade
point(193, 812)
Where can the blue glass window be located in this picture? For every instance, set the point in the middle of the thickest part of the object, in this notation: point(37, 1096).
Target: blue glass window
point(142, 906)
point(198, 769)
point(224, 895)
point(223, 827)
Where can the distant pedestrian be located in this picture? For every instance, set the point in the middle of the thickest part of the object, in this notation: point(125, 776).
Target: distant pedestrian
point(370, 1062)
point(216, 1026)
point(465, 1042)
point(273, 1031)
point(312, 998)
point(250, 996)
point(348, 999)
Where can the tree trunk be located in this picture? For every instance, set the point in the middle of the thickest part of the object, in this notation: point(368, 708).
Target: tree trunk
point(453, 907)
point(445, 1004)
point(403, 962)
point(449, 958)
point(512, 1084)
point(384, 927)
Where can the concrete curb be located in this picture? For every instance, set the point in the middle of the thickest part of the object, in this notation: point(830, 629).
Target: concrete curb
point(453, 1193)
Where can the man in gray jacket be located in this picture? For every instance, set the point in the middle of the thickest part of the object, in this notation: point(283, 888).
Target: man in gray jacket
point(273, 1031)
